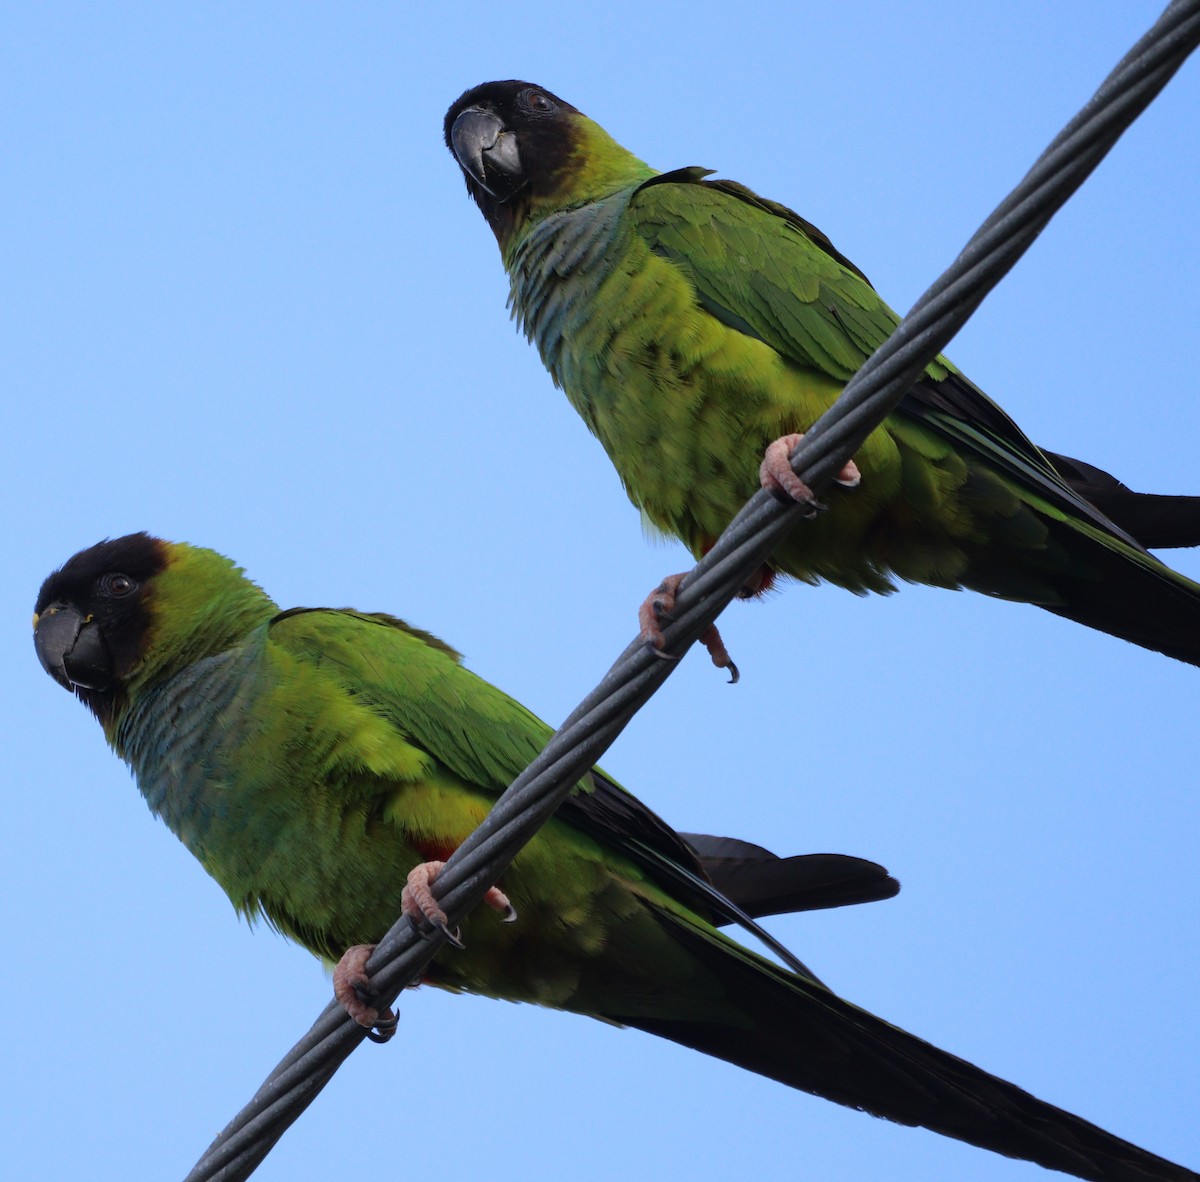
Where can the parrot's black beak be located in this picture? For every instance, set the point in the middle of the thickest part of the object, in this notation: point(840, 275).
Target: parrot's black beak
point(71, 648)
point(487, 152)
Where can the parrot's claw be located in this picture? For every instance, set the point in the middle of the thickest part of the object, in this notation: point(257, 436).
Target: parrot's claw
point(418, 903)
point(720, 655)
point(384, 1028)
point(776, 475)
point(352, 988)
point(453, 935)
point(658, 606)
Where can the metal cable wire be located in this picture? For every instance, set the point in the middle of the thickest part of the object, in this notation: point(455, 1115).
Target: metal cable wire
point(868, 398)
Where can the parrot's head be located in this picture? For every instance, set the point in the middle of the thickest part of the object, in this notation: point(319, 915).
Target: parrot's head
point(92, 617)
point(507, 136)
point(524, 152)
point(128, 612)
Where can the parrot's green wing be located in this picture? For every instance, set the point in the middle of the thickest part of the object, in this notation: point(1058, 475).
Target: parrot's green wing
point(469, 726)
point(486, 739)
point(761, 269)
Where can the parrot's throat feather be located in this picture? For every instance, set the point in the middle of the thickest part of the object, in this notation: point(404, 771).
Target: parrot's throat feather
point(556, 270)
point(170, 731)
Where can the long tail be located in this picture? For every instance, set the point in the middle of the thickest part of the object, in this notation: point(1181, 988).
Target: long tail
point(1158, 522)
point(1116, 586)
point(1086, 560)
point(1066, 535)
point(1102, 582)
point(800, 1034)
point(761, 883)
point(1149, 605)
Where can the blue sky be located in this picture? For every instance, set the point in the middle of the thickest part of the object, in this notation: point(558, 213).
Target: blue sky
point(248, 305)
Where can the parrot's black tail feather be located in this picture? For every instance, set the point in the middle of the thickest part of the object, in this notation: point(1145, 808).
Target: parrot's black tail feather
point(808, 1038)
point(1133, 596)
point(1158, 522)
point(1153, 611)
point(1087, 574)
point(761, 883)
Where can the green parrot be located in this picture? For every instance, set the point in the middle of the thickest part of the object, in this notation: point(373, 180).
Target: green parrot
point(692, 322)
point(310, 758)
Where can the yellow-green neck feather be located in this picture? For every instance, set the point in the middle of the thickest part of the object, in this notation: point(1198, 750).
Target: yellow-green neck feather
point(202, 604)
point(593, 167)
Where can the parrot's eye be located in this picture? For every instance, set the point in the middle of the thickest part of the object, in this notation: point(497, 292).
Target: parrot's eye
point(538, 102)
point(117, 585)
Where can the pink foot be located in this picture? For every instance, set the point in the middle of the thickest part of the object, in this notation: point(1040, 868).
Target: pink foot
point(777, 476)
point(351, 984)
point(418, 903)
point(658, 605)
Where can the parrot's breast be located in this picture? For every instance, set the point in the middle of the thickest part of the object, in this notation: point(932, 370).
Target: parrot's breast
point(683, 403)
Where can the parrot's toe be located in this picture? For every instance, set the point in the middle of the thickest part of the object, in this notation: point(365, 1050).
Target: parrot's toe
point(711, 639)
point(497, 900)
point(418, 903)
point(352, 988)
point(776, 475)
point(658, 606)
